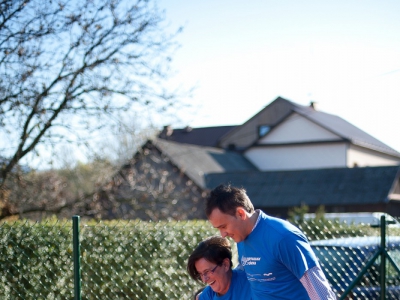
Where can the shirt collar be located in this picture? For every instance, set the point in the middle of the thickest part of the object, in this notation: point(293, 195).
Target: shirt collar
point(258, 218)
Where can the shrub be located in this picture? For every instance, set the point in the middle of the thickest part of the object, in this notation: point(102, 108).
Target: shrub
point(119, 260)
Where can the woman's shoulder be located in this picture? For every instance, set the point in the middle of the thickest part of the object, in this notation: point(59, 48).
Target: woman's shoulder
point(239, 272)
point(206, 294)
point(239, 278)
point(240, 284)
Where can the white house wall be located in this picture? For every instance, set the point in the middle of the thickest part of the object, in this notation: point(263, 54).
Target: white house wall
point(298, 157)
point(362, 157)
point(296, 129)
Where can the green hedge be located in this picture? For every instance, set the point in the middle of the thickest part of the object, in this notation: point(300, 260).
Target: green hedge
point(36, 261)
point(119, 260)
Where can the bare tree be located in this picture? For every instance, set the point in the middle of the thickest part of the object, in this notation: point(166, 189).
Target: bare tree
point(69, 67)
point(61, 192)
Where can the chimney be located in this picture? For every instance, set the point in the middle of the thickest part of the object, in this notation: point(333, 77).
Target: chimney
point(313, 105)
point(166, 132)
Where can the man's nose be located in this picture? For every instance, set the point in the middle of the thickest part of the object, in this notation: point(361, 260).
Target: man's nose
point(224, 234)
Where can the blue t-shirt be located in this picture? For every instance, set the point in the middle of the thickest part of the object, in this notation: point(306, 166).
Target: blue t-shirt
point(275, 255)
point(239, 289)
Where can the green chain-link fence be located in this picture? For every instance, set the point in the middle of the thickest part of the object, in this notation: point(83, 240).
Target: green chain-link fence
point(147, 260)
point(119, 260)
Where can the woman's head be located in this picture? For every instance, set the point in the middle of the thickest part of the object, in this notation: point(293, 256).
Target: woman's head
point(213, 249)
point(211, 262)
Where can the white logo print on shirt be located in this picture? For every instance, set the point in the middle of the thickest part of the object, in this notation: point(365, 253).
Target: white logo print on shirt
point(252, 261)
point(247, 261)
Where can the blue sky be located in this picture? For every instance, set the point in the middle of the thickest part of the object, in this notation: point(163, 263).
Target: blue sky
point(241, 55)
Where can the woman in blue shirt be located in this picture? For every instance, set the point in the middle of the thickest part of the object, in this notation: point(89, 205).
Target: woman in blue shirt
point(211, 263)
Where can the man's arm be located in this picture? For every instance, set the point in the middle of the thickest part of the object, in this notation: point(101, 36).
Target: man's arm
point(316, 284)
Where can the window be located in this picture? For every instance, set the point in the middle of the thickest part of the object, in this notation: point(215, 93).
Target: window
point(263, 130)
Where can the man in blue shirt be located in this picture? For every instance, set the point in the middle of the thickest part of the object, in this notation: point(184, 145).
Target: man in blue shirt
point(275, 254)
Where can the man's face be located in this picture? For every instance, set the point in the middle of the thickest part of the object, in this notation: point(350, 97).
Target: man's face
point(228, 225)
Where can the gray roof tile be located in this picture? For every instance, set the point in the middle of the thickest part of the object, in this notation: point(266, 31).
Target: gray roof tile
point(204, 136)
point(312, 187)
point(196, 161)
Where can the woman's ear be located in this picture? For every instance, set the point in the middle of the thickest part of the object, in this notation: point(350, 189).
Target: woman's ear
point(226, 264)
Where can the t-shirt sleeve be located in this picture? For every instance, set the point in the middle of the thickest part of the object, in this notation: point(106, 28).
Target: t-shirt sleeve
point(296, 254)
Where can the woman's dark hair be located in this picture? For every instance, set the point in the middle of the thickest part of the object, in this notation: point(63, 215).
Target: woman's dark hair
point(227, 199)
point(214, 249)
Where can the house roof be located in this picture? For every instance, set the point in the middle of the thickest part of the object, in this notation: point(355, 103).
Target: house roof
point(337, 186)
point(277, 111)
point(246, 134)
point(195, 161)
point(343, 129)
point(204, 136)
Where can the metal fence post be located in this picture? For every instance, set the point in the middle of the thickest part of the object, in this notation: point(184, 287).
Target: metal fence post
point(77, 258)
point(383, 258)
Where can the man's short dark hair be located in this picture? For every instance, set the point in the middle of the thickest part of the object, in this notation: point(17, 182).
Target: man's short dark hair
point(227, 199)
point(213, 249)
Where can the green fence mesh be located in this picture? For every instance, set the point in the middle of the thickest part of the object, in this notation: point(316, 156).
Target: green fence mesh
point(36, 260)
point(147, 260)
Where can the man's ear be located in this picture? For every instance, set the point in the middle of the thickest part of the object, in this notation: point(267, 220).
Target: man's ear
point(241, 213)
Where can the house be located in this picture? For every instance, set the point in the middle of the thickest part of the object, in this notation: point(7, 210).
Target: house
point(288, 136)
point(285, 156)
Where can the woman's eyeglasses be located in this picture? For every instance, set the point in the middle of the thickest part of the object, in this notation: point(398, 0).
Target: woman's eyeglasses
point(207, 273)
